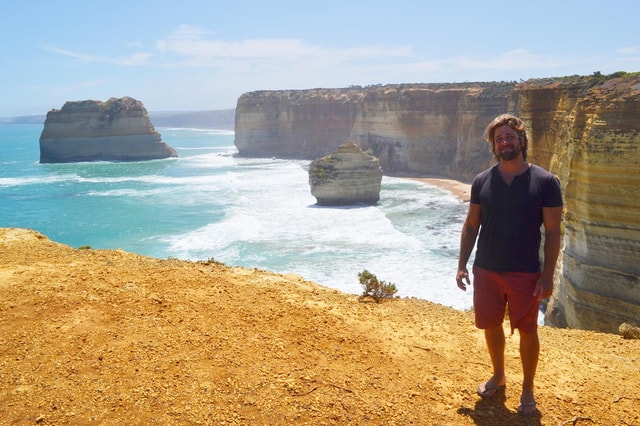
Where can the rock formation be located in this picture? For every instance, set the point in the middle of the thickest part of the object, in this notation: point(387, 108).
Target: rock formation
point(116, 130)
point(423, 129)
point(584, 129)
point(346, 176)
point(590, 137)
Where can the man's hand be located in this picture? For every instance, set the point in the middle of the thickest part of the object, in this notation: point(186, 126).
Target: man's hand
point(543, 288)
point(462, 278)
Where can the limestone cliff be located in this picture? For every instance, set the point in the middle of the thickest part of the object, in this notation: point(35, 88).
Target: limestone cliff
point(584, 129)
point(346, 176)
point(302, 124)
point(416, 129)
point(590, 137)
point(116, 130)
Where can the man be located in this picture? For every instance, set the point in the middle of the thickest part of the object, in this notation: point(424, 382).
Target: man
point(509, 203)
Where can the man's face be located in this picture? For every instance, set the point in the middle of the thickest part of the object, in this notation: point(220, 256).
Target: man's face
point(506, 143)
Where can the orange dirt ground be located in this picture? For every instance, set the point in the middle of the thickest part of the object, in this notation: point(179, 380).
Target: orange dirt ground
point(108, 337)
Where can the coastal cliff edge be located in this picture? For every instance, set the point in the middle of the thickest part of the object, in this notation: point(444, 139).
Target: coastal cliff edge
point(110, 337)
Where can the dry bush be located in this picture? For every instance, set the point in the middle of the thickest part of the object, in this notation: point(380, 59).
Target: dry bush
point(629, 331)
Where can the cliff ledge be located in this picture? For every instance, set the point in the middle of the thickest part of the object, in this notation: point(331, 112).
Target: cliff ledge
point(108, 337)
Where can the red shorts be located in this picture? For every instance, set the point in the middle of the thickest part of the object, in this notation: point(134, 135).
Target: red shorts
point(493, 291)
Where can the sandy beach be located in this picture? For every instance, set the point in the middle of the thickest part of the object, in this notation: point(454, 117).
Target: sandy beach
point(459, 189)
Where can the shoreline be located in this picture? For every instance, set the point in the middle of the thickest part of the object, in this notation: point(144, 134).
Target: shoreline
point(461, 190)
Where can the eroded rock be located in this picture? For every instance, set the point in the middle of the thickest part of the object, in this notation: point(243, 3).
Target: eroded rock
point(116, 130)
point(346, 176)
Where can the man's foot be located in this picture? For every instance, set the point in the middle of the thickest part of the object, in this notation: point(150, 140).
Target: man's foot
point(527, 409)
point(485, 390)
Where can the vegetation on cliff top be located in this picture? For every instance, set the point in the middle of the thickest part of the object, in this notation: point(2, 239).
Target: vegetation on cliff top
point(355, 93)
point(581, 81)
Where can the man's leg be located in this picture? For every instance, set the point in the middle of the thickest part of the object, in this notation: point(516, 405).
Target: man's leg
point(529, 352)
point(495, 343)
point(489, 302)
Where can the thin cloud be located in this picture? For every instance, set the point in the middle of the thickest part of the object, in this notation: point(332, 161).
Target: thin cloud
point(139, 58)
point(629, 50)
point(192, 42)
point(188, 32)
point(512, 60)
point(68, 88)
point(266, 48)
point(192, 47)
point(375, 52)
point(135, 44)
point(80, 56)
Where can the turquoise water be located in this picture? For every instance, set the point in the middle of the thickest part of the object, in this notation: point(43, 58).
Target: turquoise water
point(243, 212)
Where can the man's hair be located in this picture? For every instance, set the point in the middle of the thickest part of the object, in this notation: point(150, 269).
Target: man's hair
point(507, 120)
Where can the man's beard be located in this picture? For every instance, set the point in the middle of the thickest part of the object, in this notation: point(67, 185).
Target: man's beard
point(511, 154)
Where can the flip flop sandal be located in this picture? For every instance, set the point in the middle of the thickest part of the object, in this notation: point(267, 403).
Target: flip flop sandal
point(488, 392)
point(528, 410)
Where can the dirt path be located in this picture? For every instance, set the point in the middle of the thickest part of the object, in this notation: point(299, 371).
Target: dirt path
point(108, 337)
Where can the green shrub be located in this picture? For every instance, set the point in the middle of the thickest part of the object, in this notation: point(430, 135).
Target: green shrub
point(374, 288)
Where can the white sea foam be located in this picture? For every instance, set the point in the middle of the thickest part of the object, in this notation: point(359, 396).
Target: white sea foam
point(182, 130)
point(259, 212)
point(36, 180)
point(274, 224)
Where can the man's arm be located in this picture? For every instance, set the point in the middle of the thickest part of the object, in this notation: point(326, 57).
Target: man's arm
point(551, 219)
point(467, 242)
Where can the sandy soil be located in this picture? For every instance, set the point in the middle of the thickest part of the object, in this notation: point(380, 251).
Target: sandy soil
point(107, 337)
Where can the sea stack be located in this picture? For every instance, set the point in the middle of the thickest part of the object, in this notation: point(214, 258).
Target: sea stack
point(116, 130)
point(347, 176)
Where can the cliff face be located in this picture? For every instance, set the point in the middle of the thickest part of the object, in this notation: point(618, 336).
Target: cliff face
point(413, 129)
point(584, 129)
point(302, 124)
point(591, 139)
point(430, 130)
point(116, 130)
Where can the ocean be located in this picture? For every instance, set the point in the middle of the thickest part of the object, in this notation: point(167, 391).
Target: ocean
point(250, 212)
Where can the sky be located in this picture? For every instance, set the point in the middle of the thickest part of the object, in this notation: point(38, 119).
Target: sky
point(193, 55)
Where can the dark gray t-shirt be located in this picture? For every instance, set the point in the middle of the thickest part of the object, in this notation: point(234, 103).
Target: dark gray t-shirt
point(510, 236)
